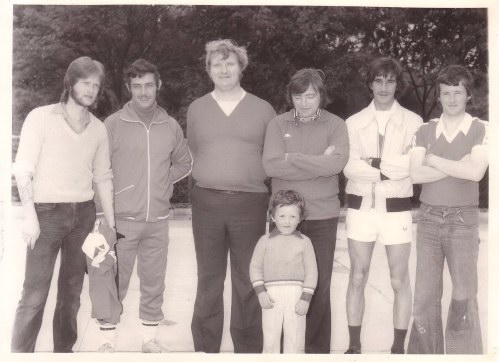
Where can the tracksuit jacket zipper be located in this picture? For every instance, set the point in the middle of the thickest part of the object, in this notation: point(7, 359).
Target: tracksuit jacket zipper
point(148, 162)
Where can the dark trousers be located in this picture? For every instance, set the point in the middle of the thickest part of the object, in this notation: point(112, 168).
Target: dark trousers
point(103, 291)
point(64, 227)
point(322, 233)
point(223, 222)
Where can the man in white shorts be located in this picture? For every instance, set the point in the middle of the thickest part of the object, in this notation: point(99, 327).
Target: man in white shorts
point(379, 191)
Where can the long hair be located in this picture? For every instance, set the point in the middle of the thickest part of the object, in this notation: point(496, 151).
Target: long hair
point(383, 67)
point(82, 68)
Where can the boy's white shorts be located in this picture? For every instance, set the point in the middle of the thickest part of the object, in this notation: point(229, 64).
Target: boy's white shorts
point(389, 228)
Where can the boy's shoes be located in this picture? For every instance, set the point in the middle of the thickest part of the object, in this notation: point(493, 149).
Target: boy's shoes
point(153, 346)
point(353, 350)
point(105, 348)
point(397, 351)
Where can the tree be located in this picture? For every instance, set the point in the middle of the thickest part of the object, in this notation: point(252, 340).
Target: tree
point(280, 40)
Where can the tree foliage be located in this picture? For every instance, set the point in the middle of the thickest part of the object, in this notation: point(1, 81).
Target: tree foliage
point(280, 40)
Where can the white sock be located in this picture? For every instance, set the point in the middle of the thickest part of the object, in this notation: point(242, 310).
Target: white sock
point(149, 330)
point(107, 334)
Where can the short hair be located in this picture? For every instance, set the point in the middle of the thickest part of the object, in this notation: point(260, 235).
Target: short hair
point(139, 68)
point(225, 47)
point(383, 67)
point(82, 68)
point(287, 198)
point(304, 78)
point(452, 75)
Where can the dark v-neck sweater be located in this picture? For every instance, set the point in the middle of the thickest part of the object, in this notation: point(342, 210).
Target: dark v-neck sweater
point(227, 150)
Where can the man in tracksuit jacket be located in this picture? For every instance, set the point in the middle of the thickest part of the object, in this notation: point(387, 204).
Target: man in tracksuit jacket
point(379, 191)
point(148, 155)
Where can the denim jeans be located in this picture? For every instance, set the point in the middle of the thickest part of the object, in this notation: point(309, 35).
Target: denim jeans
point(322, 233)
point(64, 227)
point(223, 222)
point(446, 233)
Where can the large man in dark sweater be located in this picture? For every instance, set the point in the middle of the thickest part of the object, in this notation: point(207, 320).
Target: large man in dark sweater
point(225, 132)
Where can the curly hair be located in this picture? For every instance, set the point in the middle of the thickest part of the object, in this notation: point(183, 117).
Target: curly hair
point(226, 47)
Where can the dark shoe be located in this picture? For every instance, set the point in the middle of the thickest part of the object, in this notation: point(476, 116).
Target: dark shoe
point(398, 351)
point(353, 350)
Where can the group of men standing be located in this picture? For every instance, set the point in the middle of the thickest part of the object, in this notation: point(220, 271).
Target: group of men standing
point(234, 142)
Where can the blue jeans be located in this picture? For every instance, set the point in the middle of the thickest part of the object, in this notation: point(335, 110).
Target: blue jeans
point(446, 233)
point(322, 233)
point(64, 227)
point(223, 222)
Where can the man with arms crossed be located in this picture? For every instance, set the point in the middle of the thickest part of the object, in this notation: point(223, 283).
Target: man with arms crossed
point(63, 149)
point(449, 158)
point(379, 191)
point(148, 155)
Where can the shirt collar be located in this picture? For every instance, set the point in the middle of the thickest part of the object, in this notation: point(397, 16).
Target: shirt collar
point(275, 232)
point(129, 114)
point(464, 126)
point(296, 119)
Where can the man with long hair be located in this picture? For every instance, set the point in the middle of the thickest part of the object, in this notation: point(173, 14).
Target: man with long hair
point(63, 151)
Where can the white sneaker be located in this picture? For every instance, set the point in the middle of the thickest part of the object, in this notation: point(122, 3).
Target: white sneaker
point(153, 346)
point(105, 348)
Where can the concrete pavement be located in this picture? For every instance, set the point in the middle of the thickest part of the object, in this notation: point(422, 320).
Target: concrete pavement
point(377, 330)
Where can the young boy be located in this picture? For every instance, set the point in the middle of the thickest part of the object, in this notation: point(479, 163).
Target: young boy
point(283, 272)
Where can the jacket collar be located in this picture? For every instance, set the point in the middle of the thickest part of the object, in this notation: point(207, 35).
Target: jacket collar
point(396, 117)
point(128, 114)
point(275, 232)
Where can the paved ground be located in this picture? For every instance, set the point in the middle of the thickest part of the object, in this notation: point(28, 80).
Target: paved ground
point(180, 293)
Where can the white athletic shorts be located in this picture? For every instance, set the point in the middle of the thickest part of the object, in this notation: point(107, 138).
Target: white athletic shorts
point(389, 228)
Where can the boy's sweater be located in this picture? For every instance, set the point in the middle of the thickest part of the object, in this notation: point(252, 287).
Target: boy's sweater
point(284, 260)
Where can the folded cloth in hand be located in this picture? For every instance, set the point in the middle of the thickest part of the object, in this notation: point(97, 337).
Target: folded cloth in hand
point(96, 246)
